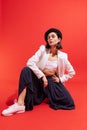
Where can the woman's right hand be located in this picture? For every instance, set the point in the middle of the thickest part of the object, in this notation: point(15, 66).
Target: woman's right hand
point(45, 81)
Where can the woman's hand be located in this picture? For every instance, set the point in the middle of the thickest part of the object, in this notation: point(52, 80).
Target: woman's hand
point(48, 72)
point(56, 78)
point(45, 81)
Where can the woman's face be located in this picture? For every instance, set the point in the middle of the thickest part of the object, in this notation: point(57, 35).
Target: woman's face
point(53, 39)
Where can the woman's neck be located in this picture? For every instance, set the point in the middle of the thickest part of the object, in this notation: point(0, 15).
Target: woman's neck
point(53, 51)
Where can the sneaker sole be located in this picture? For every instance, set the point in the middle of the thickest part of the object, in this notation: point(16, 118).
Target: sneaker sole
point(14, 113)
point(7, 114)
point(20, 111)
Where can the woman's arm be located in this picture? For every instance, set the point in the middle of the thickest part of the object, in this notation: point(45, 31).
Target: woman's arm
point(69, 71)
point(32, 62)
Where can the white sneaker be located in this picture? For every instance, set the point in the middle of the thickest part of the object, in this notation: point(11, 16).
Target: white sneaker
point(15, 108)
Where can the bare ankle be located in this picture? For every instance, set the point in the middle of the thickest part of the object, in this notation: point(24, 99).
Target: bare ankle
point(20, 103)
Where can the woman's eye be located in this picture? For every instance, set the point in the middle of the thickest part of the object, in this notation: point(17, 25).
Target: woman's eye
point(53, 36)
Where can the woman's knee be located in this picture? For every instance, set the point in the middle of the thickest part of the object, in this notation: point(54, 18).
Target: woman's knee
point(25, 68)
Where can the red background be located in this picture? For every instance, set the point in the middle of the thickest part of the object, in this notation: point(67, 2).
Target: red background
point(22, 27)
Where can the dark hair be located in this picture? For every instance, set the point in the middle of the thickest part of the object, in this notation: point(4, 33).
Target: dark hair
point(59, 34)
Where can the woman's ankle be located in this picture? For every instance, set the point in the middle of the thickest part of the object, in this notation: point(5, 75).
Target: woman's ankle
point(20, 103)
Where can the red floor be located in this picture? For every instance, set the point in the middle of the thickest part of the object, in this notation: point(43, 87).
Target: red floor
point(43, 117)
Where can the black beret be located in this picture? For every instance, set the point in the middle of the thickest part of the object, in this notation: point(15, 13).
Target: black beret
point(58, 32)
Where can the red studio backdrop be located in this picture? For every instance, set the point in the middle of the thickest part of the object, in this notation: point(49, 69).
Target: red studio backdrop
point(22, 27)
point(23, 24)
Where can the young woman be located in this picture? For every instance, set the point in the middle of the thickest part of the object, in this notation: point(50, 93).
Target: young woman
point(43, 77)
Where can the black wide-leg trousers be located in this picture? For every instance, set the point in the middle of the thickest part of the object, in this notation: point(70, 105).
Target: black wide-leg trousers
point(57, 94)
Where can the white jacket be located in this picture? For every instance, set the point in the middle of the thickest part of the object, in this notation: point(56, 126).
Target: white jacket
point(38, 61)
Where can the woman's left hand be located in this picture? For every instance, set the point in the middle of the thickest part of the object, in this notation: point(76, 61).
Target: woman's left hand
point(55, 78)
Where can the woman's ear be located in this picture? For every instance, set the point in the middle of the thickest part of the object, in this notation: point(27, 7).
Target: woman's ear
point(59, 39)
